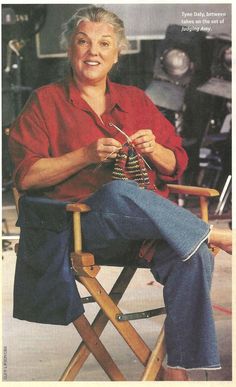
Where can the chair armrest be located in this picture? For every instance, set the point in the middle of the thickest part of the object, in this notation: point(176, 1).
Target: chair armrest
point(191, 190)
point(77, 207)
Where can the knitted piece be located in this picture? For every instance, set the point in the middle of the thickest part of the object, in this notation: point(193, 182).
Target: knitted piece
point(129, 165)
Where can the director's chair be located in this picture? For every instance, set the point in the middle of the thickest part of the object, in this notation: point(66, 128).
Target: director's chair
point(86, 270)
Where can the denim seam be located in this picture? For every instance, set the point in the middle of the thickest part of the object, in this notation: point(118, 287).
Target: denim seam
point(196, 247)
point(207, 368)
point(120, 215)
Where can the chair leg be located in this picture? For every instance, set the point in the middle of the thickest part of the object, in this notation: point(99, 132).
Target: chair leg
point(97, 348)
point(156, 359)
point(152, 360)
point(126, 330)
point(99, 323)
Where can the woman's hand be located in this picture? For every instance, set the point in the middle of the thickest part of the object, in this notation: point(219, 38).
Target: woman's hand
point(103, 149)
point(161, 157)
point(46, 172)
point(144, 141)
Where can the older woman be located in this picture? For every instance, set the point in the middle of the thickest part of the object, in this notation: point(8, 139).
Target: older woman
point(63, 146)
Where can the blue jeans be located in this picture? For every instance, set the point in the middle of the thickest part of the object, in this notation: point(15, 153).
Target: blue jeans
point(122, 216)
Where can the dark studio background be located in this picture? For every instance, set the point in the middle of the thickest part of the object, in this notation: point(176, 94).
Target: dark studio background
point(32, 62)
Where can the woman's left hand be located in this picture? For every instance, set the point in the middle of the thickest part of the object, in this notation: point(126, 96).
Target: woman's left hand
point(144, 141)
point(162, 158)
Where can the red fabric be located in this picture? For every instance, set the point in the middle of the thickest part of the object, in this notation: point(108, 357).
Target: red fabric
point(56, 120)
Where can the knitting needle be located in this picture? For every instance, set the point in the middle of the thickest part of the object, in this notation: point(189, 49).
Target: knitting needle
point(99, 165)
point(121, 131)
point(129, 141)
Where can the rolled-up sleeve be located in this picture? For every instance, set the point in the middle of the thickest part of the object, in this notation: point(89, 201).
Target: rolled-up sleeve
point(28, 140)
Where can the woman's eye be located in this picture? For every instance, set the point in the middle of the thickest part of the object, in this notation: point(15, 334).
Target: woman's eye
point(81, 42)
point(105, 44)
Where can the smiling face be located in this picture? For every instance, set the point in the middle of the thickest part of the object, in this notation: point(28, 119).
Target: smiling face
point(93, 52)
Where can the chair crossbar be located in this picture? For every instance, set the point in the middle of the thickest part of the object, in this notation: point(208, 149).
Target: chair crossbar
point(126, 330)
point(141, 315)
point(129, 316)
point(98, 325)
point(136, 344)
point(90, 299)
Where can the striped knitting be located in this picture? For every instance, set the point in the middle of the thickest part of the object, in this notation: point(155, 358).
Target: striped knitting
point(129, 165)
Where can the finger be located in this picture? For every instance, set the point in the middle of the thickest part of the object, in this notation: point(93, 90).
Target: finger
point(107, 141)
point(106, 150)
point(140, 133)
point(144, 139)
point(110, 156)
point(147, 147)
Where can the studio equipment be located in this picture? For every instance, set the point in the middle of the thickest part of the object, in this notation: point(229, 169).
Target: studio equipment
point(215, 154)
point(179, 59)
point(19, 24)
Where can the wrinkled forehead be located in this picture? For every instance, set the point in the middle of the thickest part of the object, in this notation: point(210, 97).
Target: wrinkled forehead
point(95, 28)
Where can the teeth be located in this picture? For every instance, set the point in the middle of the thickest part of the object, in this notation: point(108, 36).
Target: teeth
point(92, 63)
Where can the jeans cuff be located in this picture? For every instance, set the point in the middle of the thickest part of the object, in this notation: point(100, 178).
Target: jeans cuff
point(207, 368)
point(204, 238)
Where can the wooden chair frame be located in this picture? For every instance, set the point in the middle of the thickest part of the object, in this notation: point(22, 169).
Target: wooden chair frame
point(85, 271)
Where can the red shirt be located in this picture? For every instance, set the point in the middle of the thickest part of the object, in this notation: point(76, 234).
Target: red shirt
point(56, 120)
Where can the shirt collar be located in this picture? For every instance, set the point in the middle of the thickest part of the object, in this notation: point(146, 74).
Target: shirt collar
point(75, 98)
point(116, 99)
point(73, 93)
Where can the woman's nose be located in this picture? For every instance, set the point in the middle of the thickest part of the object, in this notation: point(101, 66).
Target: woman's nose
point(93, 49)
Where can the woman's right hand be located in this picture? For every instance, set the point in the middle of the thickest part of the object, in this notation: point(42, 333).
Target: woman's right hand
point(103, 149)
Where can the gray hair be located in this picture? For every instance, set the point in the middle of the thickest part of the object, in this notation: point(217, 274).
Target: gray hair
point(94, 14)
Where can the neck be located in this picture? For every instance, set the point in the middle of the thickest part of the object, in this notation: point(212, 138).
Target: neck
point(90, 89)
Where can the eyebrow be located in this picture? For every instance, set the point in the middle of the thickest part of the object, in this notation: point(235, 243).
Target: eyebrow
point(83, 33)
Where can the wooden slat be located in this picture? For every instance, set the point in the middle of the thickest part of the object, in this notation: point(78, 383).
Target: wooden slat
point(88, 271)
point(77, 232)
point(82, 259)
point(79, 207)
point(97, 348)
point(126, 330)
point(204, 208)
point(156, 359)
point(192, 190)
point(99, 323)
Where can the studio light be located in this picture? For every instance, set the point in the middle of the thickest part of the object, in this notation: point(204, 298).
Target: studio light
point(176, 62)
point(219, 84)
point(179, 59)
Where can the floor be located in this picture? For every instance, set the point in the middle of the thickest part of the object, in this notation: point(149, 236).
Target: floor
point(37, 352)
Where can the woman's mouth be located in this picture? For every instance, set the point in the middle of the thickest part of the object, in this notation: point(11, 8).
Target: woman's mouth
point(91, 62)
